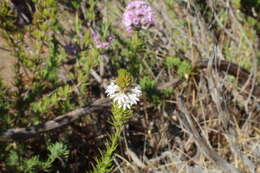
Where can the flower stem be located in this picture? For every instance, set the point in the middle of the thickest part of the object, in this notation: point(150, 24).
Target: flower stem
point(120, 117)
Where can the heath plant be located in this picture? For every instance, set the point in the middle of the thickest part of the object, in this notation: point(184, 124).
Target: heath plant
point(129, 86)
point(124, 94)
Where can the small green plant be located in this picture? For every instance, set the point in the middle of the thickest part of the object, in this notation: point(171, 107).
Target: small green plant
point(149, 87)
point(7, 19)
point(34, 164)
point(182, 67)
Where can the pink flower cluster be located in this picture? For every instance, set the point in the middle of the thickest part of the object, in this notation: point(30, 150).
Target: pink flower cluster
point(99, 43)
point(138, 14)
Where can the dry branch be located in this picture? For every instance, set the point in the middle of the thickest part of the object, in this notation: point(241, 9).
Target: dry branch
point(242, 75)
point(23, 133)
point(60, 121)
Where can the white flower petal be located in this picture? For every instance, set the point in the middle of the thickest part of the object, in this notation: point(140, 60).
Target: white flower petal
point(124, 100)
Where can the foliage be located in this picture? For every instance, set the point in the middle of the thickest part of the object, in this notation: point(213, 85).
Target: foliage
point(183, 67)
point(120, 117)
point(59, 68)
point(34, 164)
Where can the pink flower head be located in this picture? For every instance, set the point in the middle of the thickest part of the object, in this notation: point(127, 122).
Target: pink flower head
point(138, 14)
point(99, 43)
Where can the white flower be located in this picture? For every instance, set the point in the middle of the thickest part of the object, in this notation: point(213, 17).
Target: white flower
point(124, 99)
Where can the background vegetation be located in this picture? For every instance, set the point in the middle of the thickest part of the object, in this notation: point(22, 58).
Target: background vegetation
point(192, 117)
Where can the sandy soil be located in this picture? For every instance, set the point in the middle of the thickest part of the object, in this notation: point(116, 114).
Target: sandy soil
point(6, 63)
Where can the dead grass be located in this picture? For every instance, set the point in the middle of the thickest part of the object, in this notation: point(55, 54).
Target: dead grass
point(215, 128)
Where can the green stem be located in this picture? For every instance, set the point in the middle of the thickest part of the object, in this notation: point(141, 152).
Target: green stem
point(120, 117)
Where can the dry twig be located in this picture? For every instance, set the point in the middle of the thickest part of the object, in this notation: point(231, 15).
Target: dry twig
point(60, 121)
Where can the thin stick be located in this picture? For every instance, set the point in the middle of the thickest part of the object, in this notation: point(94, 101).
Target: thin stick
point(60, 121)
